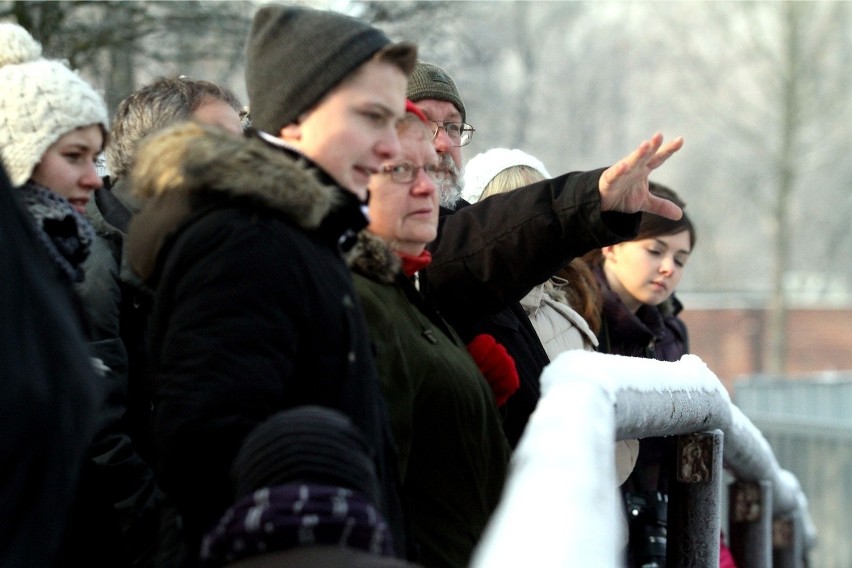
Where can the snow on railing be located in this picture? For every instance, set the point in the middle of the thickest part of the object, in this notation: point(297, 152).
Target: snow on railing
point(560, 505)
point(749, 457)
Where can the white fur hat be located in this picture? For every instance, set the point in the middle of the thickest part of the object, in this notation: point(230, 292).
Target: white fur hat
point(483, 167)
point(40, 101)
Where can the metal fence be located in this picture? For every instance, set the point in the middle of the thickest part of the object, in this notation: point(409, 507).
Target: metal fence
point(559, 505)
point(808, 423)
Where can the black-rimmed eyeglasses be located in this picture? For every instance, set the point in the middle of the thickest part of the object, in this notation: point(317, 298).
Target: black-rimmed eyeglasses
point(406, 172)
point(459, 132)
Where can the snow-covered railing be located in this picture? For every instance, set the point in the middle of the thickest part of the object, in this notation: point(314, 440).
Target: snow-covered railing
point(749, 457)
point(763, 491)
point(561, 505)
point(653, 398)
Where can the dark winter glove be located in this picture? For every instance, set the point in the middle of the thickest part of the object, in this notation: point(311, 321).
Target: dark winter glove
point(496, 365)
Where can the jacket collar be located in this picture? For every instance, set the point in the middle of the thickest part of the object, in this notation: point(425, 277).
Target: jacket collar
point(214, 166)
point(111, 207)
point(372, 257)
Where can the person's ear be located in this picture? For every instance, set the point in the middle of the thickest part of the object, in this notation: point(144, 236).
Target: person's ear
point(608, 252)
point(291, 133)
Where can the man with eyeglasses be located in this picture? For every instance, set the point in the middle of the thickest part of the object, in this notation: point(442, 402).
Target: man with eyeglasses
point(490, 254)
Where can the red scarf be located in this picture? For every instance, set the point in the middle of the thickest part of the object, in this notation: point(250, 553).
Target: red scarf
point(412, 264)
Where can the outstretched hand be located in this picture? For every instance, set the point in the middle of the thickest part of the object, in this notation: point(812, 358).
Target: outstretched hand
point(624, 185)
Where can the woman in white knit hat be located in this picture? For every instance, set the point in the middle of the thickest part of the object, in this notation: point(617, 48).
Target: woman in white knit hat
point(52, 127)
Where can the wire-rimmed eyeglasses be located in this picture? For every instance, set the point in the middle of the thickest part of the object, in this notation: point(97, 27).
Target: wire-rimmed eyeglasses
point(459, 132)
point(406, 172)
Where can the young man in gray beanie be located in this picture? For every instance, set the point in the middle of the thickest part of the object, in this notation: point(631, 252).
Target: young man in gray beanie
point(490, 254)
point(255, 309)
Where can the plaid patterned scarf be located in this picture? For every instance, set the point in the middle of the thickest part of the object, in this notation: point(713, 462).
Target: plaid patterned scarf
point(275, 519)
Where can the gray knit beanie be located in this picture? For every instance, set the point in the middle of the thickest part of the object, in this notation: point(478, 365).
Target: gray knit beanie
point(295, 55)
point(431, 82)
point(40, 101)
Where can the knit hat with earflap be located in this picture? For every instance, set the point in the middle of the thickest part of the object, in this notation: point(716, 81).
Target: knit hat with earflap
point(429, 81)
point(484, 167)
point(40, 101)
point(295, 55)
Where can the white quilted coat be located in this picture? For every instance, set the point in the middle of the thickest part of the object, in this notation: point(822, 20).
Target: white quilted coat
point(560, 328)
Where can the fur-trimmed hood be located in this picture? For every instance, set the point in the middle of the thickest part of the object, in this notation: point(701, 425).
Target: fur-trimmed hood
point(372, 257)
point(190, 159)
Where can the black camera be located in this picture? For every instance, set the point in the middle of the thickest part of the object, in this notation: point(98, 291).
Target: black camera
point(646, 521)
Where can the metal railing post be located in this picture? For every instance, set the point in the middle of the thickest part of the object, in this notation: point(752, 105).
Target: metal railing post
point(750, 522)
point(695, 489)
point(787, 542)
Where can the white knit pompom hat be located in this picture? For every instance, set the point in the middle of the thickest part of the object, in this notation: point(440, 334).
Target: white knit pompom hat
point(482, 168)
point(40, 101)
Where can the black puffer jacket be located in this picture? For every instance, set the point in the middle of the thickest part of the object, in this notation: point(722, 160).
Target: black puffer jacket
point(255, 311)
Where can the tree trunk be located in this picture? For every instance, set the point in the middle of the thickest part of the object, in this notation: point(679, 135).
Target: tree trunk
point(121, 80)
point(786, 178)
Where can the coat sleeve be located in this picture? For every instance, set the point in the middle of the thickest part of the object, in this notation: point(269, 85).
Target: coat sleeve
point(493, 252)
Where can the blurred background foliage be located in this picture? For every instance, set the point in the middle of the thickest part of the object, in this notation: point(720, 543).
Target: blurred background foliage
point(761, 91)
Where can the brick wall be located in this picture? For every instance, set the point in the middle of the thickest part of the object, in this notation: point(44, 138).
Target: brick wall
point(731, 341)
